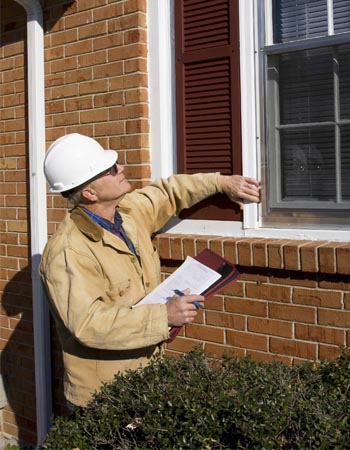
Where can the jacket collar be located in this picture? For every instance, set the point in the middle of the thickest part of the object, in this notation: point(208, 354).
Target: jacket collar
point(95, 232)
point(86, 225)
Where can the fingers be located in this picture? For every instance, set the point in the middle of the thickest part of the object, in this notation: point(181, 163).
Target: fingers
point(182, 310)
point(239, 188)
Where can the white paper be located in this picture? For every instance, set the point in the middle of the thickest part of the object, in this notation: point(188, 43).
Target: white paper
point(192, 275)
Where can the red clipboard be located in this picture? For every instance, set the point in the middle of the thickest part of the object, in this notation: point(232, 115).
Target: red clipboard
point(229, 274)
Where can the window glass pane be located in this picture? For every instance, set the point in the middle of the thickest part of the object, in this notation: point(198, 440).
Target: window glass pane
point(300, 19)
point(341, 14)
point(306, 87)
point(308, 164)
point(344, 81)
point(345, 162)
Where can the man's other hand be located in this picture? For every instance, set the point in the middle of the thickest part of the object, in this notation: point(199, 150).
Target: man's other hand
point(181, 309)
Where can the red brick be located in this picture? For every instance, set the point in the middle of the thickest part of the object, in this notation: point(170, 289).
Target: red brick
point(292, 313)
point(218, 351)
point(347, 301)
point(64, 37)
point(92, 30)
point(94, 59)
point(249, 307)
point(106, 12)
point(109, 41)
point(269, 292)
point(93, 87)
point(343, 259)
point(183, 345)
point(133, 36)
point(253, 275)
point(334, 318)
point(202, 243)
point(205, 333)
point(75, 104)
point(309, 256)
point(326, 299)
point(236, 289)
point(78, 75)
point(134, 20)
point(262, 356)
point(225, 320)
point(260, 253)
point(334, 282)
point(291, 254)
point(271, 327)
point(176, 248)
point(244, 252)
point(215, 303)
point(136, 95)
point(327, 257)
point(163, 244)
point(293, 278)
point(275, 254)
point(317, 333)
point(128, 52)
point(230, 250)
point(78, 19)
point(328, 351)
point(135, 5)
point(215, 245)
point(108, 70)
point(294, 348)
point(247, 340)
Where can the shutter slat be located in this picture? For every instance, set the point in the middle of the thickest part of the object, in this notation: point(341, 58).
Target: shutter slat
point(205, 24)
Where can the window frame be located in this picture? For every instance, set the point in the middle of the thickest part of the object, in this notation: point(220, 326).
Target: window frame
point(276, 212)
point(163, 131)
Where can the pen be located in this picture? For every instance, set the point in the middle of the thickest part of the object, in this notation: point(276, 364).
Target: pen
point(181, 294)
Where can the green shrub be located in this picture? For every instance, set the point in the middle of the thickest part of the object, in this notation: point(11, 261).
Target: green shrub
point(194, 402)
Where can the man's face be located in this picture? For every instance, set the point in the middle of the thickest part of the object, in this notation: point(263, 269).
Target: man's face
point(111, 185)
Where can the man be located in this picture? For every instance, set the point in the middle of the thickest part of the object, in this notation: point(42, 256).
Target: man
point(101, 260)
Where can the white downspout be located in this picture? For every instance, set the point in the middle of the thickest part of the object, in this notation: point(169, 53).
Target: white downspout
point(38, 211)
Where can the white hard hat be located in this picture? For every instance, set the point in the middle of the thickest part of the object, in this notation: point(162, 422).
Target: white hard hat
point(74, 159)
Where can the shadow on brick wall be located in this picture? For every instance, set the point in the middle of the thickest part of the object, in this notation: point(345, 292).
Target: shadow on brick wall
point(17, 359)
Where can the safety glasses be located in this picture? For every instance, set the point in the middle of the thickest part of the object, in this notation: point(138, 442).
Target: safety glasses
point(112, 170)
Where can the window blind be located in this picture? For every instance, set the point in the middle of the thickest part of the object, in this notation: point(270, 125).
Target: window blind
point(300, 19)
point(341, 15)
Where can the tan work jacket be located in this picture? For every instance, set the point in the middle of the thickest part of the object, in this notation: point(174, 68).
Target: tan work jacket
point(93, 280)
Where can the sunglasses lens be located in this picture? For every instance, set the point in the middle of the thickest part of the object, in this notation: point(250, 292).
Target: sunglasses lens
point(114, 170)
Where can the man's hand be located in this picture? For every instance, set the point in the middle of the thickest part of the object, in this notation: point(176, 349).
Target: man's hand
point(181, 310)
point(239, 188)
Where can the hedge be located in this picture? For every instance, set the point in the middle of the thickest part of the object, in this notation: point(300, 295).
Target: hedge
point(195, 402)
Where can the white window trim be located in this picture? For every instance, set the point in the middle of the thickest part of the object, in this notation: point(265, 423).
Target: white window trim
point(163, 129)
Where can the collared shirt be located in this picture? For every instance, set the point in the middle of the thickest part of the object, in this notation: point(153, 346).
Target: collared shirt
point(115, 228)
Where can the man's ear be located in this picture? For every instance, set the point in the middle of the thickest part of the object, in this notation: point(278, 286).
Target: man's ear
point(89, 194)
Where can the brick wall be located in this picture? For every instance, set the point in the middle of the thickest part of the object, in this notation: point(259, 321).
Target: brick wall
point(291, 303)
point(16, 337)
point(96, 81)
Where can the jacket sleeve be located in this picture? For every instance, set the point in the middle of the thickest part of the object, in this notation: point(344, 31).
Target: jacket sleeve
point(83, 305)
point(164, 198)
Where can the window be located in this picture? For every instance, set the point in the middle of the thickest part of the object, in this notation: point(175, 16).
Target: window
point(307, 73)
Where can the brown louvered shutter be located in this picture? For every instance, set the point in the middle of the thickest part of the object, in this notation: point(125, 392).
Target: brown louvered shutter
point(208, 96)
